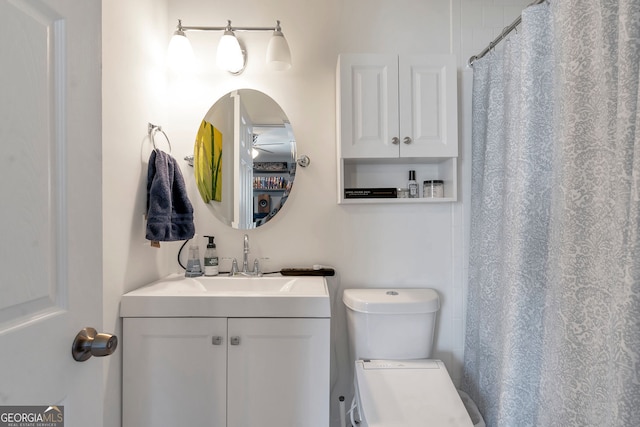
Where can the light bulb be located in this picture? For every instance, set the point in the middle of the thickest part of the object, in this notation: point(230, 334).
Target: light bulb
point(278, 53)
point(229, 56)
point(180, 56)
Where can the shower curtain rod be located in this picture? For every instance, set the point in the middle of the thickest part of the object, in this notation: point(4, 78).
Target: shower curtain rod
point(502, 35)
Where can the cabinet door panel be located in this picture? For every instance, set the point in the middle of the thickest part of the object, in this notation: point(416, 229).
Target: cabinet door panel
point(173, 374)
point(428, 107)
point(368, 105)
point(278, 373)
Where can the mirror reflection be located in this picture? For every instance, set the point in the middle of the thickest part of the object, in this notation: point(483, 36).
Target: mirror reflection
point(244, 158)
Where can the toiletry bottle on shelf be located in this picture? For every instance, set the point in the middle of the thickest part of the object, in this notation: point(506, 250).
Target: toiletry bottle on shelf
point(194, 269)
point(211, 258)
point(412, 185)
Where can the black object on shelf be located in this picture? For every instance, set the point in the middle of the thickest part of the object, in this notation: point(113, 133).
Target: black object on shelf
point(307, 272)
point(370, 193)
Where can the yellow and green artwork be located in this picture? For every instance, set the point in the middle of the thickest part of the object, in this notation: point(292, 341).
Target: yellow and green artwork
point(207, 162)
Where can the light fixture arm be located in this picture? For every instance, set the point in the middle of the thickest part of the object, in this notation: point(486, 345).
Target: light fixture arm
point(228, 27)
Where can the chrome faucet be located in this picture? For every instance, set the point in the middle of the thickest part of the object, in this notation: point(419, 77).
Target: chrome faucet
point(245, 263)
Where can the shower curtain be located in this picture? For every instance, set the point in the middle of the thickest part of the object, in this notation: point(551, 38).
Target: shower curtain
point(553, 313)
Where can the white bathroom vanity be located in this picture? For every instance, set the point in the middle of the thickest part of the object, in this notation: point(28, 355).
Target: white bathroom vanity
point(227, 351)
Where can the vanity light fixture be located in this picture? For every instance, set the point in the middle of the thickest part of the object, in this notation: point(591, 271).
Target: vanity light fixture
point(180, 52)
point(278, 53)
point(230, 56)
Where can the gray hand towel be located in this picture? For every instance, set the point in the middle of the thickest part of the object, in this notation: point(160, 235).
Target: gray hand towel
point(169, 211)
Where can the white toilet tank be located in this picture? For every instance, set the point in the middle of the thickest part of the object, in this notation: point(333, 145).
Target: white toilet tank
point(391, 323)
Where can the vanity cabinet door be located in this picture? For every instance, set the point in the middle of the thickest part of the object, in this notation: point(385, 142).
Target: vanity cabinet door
point(428, 106)
point(278, 372)
point(174, 372)
point(368, 105)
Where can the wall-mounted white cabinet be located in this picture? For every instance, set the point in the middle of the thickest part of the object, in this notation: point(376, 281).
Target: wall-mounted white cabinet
point(234, 372)
point(395, 114)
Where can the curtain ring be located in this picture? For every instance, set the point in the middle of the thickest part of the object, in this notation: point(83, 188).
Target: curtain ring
point(492, 46)
point(152, 129)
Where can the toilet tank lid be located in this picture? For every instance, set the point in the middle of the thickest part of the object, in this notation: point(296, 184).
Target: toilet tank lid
point(392, 301)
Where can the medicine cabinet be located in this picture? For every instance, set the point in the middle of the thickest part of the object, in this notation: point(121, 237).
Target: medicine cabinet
point(395, 114)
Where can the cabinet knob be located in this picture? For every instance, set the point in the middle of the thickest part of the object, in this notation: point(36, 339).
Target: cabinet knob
point(234, 340)
point(407, 140)
point(395, 140)
point(216, 340)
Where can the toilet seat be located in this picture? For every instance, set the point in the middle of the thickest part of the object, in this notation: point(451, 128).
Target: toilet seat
point(408, 393)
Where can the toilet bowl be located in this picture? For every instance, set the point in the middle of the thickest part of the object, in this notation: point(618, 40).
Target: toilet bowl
point(396, 383)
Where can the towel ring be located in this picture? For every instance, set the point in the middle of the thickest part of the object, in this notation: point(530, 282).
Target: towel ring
point(152, 129)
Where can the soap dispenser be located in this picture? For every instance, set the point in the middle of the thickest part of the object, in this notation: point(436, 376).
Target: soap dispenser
point(194, 269)
point(211, 258)
point(412, 185)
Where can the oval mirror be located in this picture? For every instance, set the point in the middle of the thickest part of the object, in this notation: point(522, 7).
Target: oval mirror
point(244, 158)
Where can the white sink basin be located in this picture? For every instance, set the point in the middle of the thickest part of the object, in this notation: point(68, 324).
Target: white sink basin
point(223, 296)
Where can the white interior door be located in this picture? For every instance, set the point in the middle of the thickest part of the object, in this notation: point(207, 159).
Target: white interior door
point(50, 188)
point(243, 165)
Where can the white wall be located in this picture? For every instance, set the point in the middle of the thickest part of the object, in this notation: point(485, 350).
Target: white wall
point(133, 83)
point(369, 245)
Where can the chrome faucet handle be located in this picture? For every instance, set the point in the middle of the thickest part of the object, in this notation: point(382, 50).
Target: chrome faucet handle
point(234, 267)
point(256, 267)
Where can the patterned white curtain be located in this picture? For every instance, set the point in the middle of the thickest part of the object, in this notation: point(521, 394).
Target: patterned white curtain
point(553, 330)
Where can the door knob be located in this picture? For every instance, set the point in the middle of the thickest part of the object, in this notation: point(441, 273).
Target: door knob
point(89, 343)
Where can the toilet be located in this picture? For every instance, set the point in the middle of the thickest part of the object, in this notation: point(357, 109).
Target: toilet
point(396, 384)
